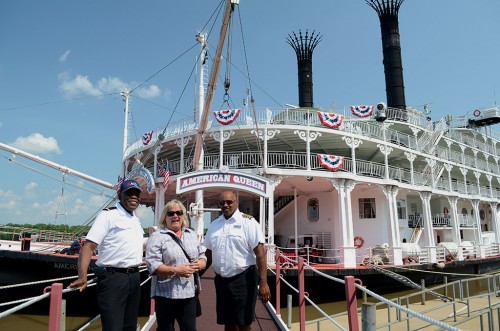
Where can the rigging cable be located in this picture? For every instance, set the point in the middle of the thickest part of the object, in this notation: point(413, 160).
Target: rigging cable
point(11, 159)
point(61, 200)
point(252, 100)
point(162, 135)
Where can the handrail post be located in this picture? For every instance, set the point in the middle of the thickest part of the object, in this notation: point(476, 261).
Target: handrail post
point(302, 301)
point(278, 282)
point(352, 304)
point(55, 306)
point(152, 307)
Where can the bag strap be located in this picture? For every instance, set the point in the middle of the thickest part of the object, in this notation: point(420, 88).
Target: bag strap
point(176, 239)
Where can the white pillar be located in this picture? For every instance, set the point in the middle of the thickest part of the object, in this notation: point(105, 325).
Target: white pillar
point(427, 221)
point(270, 216)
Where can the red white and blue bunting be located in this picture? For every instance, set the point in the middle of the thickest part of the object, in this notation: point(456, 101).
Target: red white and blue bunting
point(330, 120)
point(226, 116)
point(362, 111)
point(146, 138)
point(331, 162)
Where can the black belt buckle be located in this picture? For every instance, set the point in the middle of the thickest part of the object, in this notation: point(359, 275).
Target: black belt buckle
point(131, 270)
point(128, 270)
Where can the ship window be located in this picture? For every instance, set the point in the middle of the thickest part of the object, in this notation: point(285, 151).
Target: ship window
point(367, 208)
point(401, 209)
point(312, 210)
point(464, 211)
point(482, 214)
point(413, 208)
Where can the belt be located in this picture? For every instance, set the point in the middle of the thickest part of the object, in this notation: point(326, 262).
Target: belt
point(128, 270)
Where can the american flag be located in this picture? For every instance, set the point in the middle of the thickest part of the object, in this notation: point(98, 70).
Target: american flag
point(165, 173)
point(120, 181)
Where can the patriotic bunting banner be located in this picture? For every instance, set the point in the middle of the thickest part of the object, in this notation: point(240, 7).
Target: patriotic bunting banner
point(362, 111)
point(331, 162)
point(146, 138)
point(227, 116)
point(330, 120)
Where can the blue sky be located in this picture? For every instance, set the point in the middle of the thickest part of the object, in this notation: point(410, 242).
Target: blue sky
point(63, 64)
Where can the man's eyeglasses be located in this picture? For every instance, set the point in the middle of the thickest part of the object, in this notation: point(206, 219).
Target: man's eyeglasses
point(226, 202)
point(172, 213)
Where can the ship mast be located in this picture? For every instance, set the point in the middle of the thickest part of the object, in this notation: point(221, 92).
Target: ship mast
point(212, 83)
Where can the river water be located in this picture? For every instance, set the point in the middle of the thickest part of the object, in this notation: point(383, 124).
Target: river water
point(17, 322)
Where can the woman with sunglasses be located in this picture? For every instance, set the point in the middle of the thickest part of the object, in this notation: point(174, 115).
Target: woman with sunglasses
point(173, 281)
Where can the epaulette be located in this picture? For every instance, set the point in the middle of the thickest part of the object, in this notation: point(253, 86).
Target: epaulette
point(109, 208)
point(247, 216)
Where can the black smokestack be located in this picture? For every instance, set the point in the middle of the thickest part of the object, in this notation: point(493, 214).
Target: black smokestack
point(387, 11)
point(304, 47)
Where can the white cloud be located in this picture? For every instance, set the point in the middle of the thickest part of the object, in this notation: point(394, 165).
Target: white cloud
point(37, 144)
point(8, 200)
point(111, 85)
point(80, 85)
point(64, 56)
point(31, 186)
point(149, 92)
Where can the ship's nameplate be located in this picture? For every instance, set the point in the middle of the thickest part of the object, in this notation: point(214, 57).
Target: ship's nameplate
point(227, 179)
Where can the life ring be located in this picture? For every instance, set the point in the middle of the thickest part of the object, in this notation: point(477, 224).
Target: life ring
point(358, 242)
point(477, 112)
point(445, 211)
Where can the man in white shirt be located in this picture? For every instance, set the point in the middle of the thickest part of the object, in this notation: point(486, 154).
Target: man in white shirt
point(235, 245)
point(118, 233)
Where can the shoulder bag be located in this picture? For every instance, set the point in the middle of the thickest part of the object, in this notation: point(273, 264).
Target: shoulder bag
point(195, 275)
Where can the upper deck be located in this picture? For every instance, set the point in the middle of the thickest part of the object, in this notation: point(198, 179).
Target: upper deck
point(406, 148)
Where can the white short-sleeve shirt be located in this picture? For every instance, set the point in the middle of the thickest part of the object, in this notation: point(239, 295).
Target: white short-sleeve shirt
point(119, 237)
point(232, 243)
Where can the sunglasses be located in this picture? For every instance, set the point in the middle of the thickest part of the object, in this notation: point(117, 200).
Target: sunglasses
point(172, 213)
point(226, 202)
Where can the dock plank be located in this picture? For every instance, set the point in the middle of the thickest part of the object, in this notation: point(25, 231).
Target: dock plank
point(208, 320)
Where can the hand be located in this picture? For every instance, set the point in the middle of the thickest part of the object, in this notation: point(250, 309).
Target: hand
point(80, 282)
point(184, 270)
point(264, 293)
point(198, 265)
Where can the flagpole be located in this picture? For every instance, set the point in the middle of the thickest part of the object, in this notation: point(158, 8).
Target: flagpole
point(199, 215)
point(125, 94)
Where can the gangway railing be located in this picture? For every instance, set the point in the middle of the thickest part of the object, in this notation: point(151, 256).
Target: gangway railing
point(351, 320)
point(411, 312)
point(57, 314)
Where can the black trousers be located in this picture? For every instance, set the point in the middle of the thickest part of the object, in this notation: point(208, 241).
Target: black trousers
point(118, 296)
point(170, 310)
point(236, 297)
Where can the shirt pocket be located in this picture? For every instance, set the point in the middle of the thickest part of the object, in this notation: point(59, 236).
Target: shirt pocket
point(120, 228)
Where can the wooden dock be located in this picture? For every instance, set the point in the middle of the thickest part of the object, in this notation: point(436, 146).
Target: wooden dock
point(207, 321)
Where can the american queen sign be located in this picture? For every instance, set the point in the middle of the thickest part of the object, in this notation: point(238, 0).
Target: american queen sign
point(234, 180)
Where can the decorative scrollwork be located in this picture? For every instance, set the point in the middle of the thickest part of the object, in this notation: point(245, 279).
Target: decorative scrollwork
point(386, 150)
point(410, 156)
point(305, 135)
point(352, 142)
point(182, 142)
point(269, 134)
point(225, 134)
